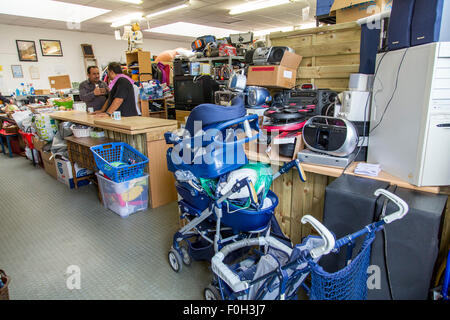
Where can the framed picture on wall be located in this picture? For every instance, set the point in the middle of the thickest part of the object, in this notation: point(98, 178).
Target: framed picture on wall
point(26, 50)
point(17, 71)
point(51, 48)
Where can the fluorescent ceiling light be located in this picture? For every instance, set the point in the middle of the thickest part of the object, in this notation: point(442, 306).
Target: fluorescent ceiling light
point(127, 19)
point(192, 30)
point(50, 10)
point(181, 6)
point(267, 31)
point(132, 1)
point(257, 5)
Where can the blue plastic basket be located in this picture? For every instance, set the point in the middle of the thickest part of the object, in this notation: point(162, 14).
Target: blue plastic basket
point(107, 154)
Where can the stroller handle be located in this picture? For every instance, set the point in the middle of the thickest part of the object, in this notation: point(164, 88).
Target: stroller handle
point(401, 204)
point(248, 122)
point(326, 235)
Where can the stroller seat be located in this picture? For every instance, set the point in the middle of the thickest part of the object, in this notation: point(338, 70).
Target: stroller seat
point(212, 146)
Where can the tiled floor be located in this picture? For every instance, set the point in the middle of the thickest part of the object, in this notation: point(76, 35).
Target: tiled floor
point(45, 228)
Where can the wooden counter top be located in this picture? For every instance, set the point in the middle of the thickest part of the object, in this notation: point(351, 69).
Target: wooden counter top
point(128, 125)
point(336, 172)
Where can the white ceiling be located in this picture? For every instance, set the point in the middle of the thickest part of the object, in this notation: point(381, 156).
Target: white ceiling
point(206, 12)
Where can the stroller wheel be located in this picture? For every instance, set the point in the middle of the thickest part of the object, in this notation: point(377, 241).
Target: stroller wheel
point(186, 257)
point(175, 260)
point(212, 293)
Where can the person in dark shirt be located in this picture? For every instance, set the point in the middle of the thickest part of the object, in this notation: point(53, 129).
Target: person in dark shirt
point(121, 96)
point(93, 91)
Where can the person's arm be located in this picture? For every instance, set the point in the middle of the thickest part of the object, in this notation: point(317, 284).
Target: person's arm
point(104, 107)
point(117, 102)
point(85, 94)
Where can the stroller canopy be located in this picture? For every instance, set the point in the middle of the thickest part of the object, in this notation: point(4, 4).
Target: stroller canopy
point(210, 114)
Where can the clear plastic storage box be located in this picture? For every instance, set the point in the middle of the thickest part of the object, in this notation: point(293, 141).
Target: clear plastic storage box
point(124, 198)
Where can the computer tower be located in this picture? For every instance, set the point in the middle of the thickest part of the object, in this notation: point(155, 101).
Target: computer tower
point(412, 243)
point(431, 22)
point(399, 32)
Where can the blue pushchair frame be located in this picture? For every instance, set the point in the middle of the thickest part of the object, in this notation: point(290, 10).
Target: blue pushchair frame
point(231, 282)
point(210, 220)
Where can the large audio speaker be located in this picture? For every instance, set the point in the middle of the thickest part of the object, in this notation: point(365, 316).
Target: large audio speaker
point(399, 32)
point(431, 21)
point(412, 246)
point(370, 39)
point(412, 242)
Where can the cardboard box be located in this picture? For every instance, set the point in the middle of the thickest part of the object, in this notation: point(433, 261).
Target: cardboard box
point(38, 144)
point(64, 172)
point(283, 75)
point(352, 10)
point(49, 163)
point(40, 92)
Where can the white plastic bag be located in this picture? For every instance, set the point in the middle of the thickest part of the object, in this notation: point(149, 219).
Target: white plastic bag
point(22, 116)
point(45, 126)
point(30, 157)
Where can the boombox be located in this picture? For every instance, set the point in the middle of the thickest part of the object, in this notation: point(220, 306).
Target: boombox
point(266, 55)
point(322, 99)
point(333, 136)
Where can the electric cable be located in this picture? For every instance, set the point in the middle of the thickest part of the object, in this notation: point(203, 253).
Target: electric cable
point(366, 115)
point(386, 265)
point(393, 93)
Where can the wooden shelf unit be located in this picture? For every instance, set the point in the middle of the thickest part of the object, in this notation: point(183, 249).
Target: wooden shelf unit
point(145, 109)
point(144, 64)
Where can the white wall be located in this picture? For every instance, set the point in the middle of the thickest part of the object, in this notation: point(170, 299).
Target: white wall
point(106, 49)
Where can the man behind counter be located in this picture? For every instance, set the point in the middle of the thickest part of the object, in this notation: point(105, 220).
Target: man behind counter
point(121, 93)
point(93, 91)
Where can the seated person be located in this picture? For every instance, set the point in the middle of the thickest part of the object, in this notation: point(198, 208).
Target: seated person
point(93, 91)
point(121, 95)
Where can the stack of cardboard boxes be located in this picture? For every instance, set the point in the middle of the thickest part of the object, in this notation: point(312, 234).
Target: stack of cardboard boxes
point(352, 10)
point(59, 167)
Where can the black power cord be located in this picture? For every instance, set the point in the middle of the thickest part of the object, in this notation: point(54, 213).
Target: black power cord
point(385, 241)
point(393, 93)
point(365, 115)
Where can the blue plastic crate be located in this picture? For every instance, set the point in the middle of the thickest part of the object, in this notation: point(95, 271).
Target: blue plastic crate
point(116, 159)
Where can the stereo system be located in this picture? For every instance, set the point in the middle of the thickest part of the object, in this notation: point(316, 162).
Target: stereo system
point(266, 55)
point(333, 136)
point(322, 99)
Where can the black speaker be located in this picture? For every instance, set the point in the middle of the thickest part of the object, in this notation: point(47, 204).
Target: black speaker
point(249, 56)
point(412, 246)
point(276, 54)
point(431, 21)
point(399, 33)
point(412, 242)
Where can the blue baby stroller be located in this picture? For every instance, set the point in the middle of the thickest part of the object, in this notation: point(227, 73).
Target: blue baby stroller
point(279, 271)
point(222, 196)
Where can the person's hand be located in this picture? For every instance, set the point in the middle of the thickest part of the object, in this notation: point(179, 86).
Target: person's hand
point(99, 91)
point(102, 114)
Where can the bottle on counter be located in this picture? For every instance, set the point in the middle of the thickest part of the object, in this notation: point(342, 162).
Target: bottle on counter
point(32, 91)
point(22, 89)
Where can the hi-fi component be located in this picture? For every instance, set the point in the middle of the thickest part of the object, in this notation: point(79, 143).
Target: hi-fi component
point(322, 99)
point(333, 136)
point(266, 55)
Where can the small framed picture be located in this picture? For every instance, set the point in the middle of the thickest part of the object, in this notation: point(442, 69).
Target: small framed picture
point(26, 50)
point(51, 48)
point(17, 71)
